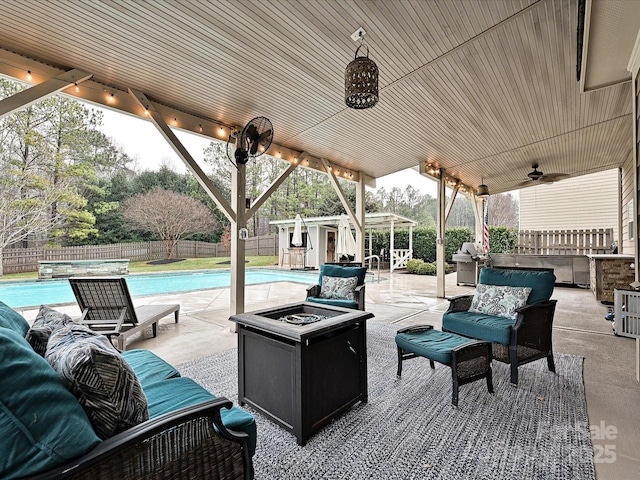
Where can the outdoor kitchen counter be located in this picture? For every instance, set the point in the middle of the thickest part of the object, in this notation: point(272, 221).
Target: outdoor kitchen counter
point(609, 272)
point(568, 269)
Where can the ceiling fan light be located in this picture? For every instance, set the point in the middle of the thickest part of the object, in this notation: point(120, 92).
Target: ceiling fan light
point(361, 82)
point(483, 191)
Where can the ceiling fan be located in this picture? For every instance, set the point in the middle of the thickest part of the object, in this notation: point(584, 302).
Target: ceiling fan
point(539, 176)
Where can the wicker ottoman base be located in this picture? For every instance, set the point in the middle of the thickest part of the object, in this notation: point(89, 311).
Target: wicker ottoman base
point(470, 360)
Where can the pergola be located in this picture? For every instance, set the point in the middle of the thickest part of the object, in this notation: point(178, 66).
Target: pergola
point(470, 92)
point(373, 221)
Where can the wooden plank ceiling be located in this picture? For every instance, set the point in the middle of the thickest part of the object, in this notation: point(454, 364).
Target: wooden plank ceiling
point(482, 89)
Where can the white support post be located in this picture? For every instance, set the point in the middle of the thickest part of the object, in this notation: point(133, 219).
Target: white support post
point(440, 234)
point(391, 246)
point(238, 194)
point(23, 99)
point(411, 240)
point(360, 213)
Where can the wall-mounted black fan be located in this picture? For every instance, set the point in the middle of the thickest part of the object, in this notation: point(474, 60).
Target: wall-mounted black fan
point(253, 141)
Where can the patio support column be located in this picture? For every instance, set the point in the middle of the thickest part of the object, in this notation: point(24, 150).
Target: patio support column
point(391, 246)
point(360, 210)
point(411, 240)
point(238, 200)
point(634, 68)
point(440, 236)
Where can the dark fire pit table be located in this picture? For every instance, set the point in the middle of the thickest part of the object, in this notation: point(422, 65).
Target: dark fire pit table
point(302, 375)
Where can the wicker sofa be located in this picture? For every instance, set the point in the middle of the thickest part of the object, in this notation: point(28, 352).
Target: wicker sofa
point(46, 433)
point(517, 341)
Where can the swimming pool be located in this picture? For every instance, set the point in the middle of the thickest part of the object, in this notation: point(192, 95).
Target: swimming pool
point(48, 292)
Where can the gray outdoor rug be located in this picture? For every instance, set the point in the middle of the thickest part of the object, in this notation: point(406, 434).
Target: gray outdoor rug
point(409, 430)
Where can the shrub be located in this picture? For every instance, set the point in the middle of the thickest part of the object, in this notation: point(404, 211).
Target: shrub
point(413, 265)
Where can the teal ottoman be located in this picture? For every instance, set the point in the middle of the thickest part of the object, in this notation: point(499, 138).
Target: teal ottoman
point(470, 360)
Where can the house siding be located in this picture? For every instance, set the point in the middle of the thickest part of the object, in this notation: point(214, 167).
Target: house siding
point(585, 202)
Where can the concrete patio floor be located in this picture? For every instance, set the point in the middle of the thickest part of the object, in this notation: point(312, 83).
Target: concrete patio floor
point(400, 299)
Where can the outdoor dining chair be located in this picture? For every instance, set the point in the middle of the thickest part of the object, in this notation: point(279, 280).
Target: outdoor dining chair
point(107, 308)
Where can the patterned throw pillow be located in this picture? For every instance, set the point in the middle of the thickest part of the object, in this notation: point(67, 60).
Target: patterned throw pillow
point(339, 288)
point(99, 377)
point(44, 325)
point(501, 301)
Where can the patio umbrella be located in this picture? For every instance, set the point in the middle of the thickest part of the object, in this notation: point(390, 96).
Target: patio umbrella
point(345, 244)
point(297, 232)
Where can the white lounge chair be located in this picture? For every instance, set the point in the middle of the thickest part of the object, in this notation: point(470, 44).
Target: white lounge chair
point(107, 308)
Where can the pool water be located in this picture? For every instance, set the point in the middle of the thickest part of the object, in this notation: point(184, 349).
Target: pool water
point(48, 292)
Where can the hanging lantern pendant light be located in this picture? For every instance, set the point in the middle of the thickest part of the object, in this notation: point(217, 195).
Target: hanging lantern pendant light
point(361, 82)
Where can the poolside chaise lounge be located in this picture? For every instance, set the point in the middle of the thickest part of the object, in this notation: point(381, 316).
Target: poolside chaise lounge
point(107, 308)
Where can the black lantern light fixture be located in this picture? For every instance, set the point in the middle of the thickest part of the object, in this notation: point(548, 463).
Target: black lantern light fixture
point(361, 78)
point(483, 190)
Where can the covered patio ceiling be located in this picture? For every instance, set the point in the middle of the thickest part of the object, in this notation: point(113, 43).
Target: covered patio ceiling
point(482, 89)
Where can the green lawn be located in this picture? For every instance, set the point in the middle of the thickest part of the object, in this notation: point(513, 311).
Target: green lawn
point(187, 264)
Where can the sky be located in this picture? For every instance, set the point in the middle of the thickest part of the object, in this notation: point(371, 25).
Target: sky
point(140, 140)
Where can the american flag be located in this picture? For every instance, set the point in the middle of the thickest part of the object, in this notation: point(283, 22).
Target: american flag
point(486, 227)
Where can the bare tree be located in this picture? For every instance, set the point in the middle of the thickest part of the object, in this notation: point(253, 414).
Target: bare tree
point(503, 210)
point(169, 214)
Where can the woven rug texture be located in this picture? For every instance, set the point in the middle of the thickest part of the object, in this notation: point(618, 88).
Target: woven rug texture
point(409, 429)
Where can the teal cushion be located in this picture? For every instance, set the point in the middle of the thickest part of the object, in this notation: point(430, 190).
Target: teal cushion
point(334, 301)
point(432, 344)
point(340, 271)
point(12, 320)
point(169, 395)
point(541, 283)
point(479, 325)
point(42, 423)
point(149, 368)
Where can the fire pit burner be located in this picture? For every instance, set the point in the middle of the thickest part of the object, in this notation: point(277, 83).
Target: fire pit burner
point(302, 318)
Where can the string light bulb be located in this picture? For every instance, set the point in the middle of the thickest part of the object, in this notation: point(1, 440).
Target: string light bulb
point(29, 75)
point(221, 130)
point(77, 88)
point(200, 128)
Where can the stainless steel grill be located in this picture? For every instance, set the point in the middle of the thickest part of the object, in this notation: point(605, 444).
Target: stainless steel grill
point(468, 264)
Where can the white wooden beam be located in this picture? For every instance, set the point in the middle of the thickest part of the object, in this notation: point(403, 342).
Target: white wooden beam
point(272, 188)
point(477, 204)
point(23, 99)
point(450, 202)
point(186, 157)
point(341, 195)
